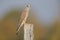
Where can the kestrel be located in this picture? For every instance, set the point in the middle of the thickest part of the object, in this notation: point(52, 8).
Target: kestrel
point(24, 17)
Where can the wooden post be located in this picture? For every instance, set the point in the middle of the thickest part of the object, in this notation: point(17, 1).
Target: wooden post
point(28, 32)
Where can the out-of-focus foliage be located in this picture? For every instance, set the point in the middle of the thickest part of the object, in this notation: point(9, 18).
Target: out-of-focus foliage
point(9, 25)
point(56, 35)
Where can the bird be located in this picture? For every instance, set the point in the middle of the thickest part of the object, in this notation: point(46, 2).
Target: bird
point(23, 18)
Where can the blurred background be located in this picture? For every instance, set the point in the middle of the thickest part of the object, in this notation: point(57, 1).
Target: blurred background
point(44, 15)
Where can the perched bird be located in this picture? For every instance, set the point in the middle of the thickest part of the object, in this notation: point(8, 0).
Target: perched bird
point(23, 18)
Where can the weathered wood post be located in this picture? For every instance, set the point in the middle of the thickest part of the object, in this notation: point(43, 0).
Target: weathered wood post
point(28, 32)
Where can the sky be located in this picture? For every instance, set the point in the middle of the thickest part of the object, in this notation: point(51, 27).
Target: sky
point(46, 9)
